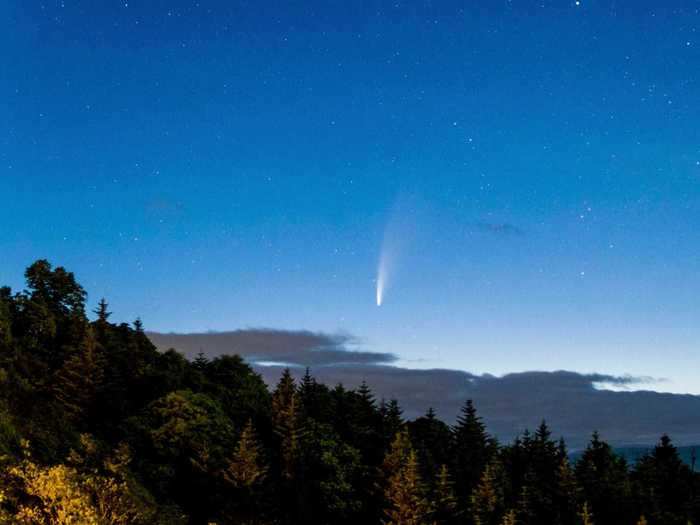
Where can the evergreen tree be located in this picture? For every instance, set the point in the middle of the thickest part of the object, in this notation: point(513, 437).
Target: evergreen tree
point(406, 503)
point(392, 418)
point(80, 379)
point(486, 502)
point(566, 493)
point(665, 485)
point(246, 467)
point(307, 392)
point(543, 463)
point(61, 375)
point(472, 451)
point(603, 479)
point(101, 325)
point(432, 440)
point(398, 453)
point(366, 422)
point(316, 399)
point(444, 499)
point(200, 362)
point(286, 420)
point(246, 472)
point(525, 513)
point(102, 311)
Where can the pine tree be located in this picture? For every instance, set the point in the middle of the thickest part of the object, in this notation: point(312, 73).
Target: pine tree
point(444, 500)
point(406, 503)
point(566, 493)
point(307, 387)
point(487, 498)
point(315, 398)
point(392, 420)
point(472, 450)
point(365, 394)
point(102, 311)
point(398, 453)
point(365, 412)
point(394, 414)
point(525, 514)
point(80, 378)
point(604, 482)
point(665, 483)
point(246, 468)
point(286, 419)
point(200, 362)
point(433, 442)
point(102, 323)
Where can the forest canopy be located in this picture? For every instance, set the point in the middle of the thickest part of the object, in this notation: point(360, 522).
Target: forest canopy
point(99, 427)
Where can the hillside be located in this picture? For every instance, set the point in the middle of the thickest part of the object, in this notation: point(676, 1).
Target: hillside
point(99, 427)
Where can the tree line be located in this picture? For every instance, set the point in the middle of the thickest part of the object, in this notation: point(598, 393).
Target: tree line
point(98, 427)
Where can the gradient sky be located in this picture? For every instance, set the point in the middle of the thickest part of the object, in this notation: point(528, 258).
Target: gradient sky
point(534, 167)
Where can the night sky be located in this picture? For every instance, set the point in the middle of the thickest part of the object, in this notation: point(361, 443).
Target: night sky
point(531, 170)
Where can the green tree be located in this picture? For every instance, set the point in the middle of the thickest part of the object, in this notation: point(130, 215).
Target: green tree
point(80, 378)
point(185, 437)
point(487, 498)
point(444, 499)
point(246, 467)
point(566, 493)
point(102, 311)
point(286, 417)
point(57, 288)
point(432, 440)
point(332, 475)
point(603, 479)
point(664, 484)
point(245, 472)
point(406, 503)
point(472, 451)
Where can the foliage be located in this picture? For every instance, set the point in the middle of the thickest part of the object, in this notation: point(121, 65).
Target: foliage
point(405, 494)
point(98, 427)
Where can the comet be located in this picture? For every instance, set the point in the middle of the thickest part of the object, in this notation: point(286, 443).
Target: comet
point(385, 267)
point(382, 275)
point(396, 233)
point(400, 227)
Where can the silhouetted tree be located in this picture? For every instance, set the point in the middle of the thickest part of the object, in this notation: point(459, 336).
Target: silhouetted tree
point(472, 450)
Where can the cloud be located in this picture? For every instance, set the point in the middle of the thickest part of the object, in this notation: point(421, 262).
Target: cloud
point(499, 228)
point(569, 401)
point(294, 348)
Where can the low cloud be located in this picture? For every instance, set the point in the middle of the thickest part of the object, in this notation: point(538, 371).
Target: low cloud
point(569, 401)
point(293, 348)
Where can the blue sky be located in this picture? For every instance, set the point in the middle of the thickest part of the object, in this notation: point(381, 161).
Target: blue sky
point(219, 165)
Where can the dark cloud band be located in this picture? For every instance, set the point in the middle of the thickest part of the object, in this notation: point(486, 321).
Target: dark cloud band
point(294, 348)
point(569, 401)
